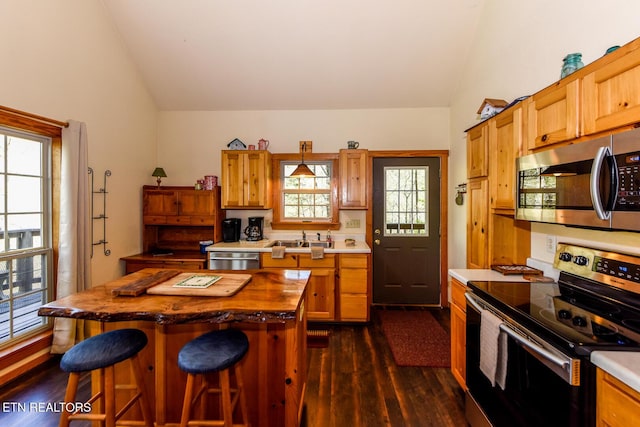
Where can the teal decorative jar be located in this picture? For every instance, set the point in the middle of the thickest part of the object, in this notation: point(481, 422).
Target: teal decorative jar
point(572, 62)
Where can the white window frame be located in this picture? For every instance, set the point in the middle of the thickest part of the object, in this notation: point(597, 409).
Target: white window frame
point(15, 303)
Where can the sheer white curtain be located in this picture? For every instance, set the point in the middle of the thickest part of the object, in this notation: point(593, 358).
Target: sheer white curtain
point(74, 259)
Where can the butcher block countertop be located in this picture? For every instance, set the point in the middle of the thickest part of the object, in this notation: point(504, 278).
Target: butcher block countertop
point(268, 297)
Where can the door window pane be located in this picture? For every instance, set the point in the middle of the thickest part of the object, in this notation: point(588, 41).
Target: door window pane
point(406, 195)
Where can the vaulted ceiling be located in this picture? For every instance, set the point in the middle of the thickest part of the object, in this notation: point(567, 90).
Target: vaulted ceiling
point(297, 54)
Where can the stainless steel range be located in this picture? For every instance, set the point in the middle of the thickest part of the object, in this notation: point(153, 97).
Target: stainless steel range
point(551, 330)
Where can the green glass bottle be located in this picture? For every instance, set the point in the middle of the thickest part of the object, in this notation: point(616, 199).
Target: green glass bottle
point(572, 62)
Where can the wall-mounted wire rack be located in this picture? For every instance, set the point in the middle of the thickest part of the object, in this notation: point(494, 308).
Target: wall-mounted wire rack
point(101, 193)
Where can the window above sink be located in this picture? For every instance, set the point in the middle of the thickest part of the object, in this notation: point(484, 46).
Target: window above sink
point(305, 203)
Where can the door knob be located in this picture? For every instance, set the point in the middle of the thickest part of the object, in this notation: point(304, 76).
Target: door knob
point(377, 241)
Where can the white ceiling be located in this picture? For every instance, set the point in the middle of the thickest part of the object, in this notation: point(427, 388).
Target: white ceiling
point(297, 54)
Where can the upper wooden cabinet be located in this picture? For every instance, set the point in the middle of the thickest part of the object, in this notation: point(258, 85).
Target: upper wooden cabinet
point(505, 145)
point(552, 114)
point(611, 94)
point(477, 223)
point(246, 179)
point(179, 205)
point(178, 218)
point(477, 151)
point(353, 179)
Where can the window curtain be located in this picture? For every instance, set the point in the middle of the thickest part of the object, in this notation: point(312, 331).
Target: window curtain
point(74, 249)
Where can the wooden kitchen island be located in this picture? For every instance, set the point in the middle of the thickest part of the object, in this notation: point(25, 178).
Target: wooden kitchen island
point(270, 309)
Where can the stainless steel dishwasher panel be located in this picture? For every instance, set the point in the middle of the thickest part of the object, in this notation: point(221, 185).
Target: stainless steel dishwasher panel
point(234, 260)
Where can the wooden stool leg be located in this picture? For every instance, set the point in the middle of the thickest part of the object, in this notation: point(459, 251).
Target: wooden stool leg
point(225, 395)
point(144, 397)
point(243, 400)
point(108, 374)
point(69, 396)
point(186, 405)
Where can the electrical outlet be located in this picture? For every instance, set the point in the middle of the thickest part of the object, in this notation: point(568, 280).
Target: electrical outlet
point(353, 223)
point(550, 244)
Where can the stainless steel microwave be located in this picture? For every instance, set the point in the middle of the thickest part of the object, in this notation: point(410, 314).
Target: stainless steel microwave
point(592, 184)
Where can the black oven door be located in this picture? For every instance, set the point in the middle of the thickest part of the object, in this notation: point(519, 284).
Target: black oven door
point(534, 394)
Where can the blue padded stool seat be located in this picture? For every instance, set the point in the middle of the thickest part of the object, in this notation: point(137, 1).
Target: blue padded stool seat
point(213, 351)
point(101, 353)
point(103, 350)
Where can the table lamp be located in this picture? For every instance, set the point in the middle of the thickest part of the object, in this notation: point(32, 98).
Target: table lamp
point(159, 173)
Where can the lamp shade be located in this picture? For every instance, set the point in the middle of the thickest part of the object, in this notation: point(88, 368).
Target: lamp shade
point(302, 170)
point(159, 172)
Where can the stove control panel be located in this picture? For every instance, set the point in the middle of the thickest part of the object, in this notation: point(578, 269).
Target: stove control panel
point(612, 268)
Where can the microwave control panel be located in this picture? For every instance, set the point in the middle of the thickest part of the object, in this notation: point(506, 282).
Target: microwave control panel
point(628, 166)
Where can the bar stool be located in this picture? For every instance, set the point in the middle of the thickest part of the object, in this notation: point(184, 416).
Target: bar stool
point(102, 352)
point(215, 351)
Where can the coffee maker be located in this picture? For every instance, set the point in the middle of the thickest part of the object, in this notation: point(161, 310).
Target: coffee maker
point(231, 229)
point(255, 229)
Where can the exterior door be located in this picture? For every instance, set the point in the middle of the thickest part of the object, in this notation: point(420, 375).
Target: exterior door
point(406, 230)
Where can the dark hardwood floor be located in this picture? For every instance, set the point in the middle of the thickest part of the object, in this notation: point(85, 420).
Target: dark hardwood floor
point(23, 402)
point(353, 382)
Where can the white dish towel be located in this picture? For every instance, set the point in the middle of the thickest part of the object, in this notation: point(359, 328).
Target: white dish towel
point(277, 252)
point(493, 349)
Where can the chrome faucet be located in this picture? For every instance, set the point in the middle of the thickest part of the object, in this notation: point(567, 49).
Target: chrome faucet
point(304, 236)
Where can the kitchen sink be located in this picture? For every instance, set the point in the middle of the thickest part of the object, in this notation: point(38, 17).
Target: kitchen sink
point(290, 243)
point(302, 243)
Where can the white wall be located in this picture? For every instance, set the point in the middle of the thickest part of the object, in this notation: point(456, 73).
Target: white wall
point(189, 143)
point(62, 59)
point(518, 51)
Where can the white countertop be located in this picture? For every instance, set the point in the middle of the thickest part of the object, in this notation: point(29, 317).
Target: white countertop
point(465, 275)
point(264, 245)
point(624, 365)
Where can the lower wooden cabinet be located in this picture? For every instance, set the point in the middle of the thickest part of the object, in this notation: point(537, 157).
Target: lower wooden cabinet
point(321, 290)
point(321, 304)
point(458, 332)
point(617, 405)
point(331, 297)
point(354, 301)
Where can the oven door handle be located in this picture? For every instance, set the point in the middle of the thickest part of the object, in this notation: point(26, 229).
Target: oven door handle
point(535, 347)
point(521, 339)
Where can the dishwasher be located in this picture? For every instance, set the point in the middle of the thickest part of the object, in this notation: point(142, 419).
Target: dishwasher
point(234, 260)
